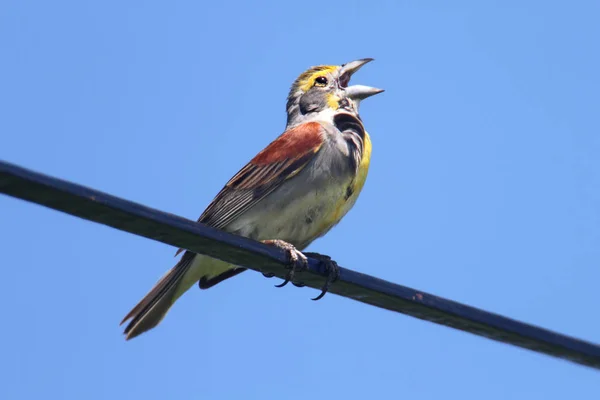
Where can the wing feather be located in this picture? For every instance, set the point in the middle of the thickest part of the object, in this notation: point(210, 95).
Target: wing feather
point(279, 161)
point(264, 173)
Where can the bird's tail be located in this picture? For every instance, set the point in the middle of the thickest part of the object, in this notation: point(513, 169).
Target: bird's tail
point(154, 306)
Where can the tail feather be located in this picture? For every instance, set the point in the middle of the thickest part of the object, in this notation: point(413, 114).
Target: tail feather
point(208, 282)
point(192, 268)
point(154, 306)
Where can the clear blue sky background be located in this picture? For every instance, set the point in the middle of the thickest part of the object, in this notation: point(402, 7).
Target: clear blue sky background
point(484, 188)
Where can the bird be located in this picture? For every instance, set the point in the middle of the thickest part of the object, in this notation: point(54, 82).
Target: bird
point(292, 192)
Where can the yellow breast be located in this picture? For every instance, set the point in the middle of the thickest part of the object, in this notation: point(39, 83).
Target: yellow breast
point(344, 204)
point(363, 168)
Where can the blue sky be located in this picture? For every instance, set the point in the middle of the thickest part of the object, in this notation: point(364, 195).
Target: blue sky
point(484, 188)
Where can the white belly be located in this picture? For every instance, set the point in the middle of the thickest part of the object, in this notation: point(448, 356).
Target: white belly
point(299, 219)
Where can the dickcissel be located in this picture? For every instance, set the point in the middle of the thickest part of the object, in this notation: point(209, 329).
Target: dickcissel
point(289, 194)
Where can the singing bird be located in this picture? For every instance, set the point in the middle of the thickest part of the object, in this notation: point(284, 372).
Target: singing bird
point(291, 193)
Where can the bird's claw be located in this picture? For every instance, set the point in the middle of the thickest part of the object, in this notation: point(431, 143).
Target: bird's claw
point(333, 272)
point(297, 261)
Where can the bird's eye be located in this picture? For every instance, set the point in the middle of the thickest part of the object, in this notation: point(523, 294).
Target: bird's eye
point(321, 81)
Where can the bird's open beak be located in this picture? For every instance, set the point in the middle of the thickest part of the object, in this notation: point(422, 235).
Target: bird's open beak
point(356, 92)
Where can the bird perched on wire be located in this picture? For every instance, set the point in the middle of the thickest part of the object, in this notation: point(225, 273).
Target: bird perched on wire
point(289, 194)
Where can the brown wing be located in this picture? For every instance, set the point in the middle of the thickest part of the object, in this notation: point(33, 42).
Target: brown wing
point(279, 161)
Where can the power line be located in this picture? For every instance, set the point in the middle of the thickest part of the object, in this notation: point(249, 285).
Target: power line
point(135, 218)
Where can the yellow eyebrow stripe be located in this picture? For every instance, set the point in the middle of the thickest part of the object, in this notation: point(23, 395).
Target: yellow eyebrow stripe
point(307, 79)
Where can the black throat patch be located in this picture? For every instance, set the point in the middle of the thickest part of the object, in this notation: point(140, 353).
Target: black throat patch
point(349, 123)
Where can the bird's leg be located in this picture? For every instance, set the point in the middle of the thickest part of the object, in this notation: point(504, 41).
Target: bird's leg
point(297, 260)
point(333, 271)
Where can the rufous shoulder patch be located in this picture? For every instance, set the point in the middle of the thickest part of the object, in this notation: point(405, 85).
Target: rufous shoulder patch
point(292, 144)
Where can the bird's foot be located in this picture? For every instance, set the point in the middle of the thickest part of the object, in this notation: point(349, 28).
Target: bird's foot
point(333, 271)
point(297, 261)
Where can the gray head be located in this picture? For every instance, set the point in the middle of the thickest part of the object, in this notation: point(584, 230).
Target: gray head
point(325, 87)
